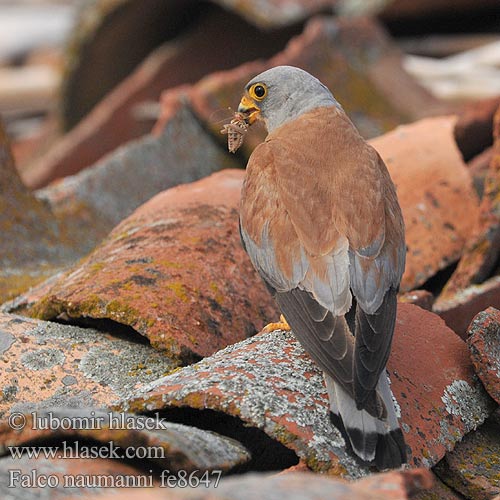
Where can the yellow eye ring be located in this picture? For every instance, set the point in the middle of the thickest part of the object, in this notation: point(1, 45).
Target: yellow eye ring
point(258, 91)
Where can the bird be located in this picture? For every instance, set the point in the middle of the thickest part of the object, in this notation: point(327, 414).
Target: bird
point(321, 223)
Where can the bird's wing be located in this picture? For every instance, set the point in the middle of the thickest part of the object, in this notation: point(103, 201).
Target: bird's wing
point(375, 278)
point(315, 223)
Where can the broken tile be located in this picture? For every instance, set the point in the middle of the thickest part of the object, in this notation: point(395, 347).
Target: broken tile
point(175, 271)
point(435, 191)
point(101, 196)
point(435, 385)
point(296, 486)
point(299, 467)
point(481, 253)
point(34, 242)
point(459, 310)
point(171, 446)
point(270, 383)
point(115, 119)
point(438, 491)
point(304, 486)
point(352, 57)
point(474, 127)
point(395, 485)
point(98, 59)
point(48, 364)
point(473, 467)
point(483, 341)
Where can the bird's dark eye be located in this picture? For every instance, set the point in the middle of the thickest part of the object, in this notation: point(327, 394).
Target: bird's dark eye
point(258, 91)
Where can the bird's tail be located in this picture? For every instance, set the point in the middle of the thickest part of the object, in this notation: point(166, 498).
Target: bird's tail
point(376, 441)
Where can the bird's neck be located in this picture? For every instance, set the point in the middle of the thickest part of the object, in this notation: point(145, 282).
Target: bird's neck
point(295, 108)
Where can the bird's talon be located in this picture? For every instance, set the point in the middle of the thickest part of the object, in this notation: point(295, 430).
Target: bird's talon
point(281, 325)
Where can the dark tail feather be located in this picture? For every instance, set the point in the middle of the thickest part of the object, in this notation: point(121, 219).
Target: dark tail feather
point(375, 441)
point(391, 450)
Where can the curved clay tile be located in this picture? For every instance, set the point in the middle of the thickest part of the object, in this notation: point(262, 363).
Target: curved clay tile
point(473, 467)
point(483, 340)
point(270, 383)
point(435, 191)
point(31, 246)
point(171, 446)
point(49, 364)
point(175, 271)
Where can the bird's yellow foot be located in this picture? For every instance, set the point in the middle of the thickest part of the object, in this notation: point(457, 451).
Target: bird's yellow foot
point(281, 325)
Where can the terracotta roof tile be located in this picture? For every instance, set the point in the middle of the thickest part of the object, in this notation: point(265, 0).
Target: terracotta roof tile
point(34, 242)
point(354, 58)
point(473, 467)
point(48, 364)
point(481, 253)
point(110, 190)
point(483, 339)
point(174, 271)
point(171, 446)
point(400, 485)
point(270, 383)
point(435, 191)
point(459, 310)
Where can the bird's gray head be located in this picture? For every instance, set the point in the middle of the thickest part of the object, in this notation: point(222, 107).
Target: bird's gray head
point(281, 94)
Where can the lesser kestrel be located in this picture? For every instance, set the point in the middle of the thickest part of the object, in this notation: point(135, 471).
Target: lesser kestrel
point(321, 223)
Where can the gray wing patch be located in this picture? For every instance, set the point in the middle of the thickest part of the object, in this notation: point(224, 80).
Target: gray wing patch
point(331, 290)
point(370, 282)
point(264, 260)
point(373, 250)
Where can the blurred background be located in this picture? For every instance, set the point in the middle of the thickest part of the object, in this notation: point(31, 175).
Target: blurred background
point(106, 103)
point(60, 58)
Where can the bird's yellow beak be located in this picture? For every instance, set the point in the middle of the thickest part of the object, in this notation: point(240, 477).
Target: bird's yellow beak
point(248, 109)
